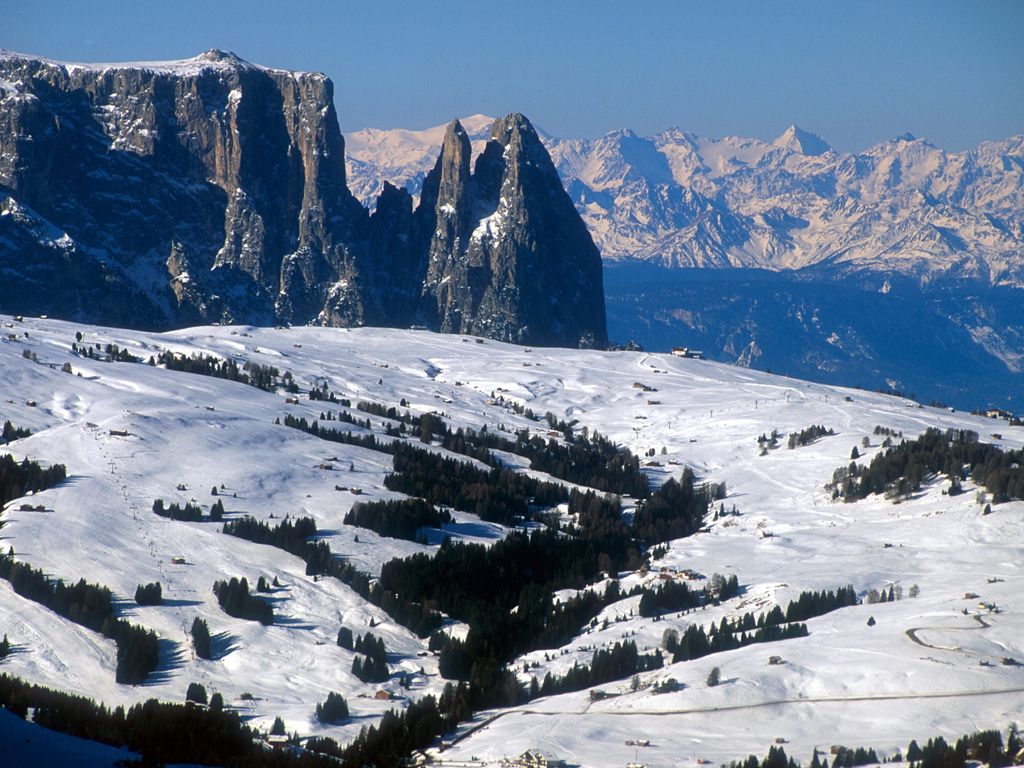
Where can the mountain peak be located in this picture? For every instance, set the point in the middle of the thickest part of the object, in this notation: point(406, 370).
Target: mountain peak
point(798, 140)
point(477, 123)
point(216, 55)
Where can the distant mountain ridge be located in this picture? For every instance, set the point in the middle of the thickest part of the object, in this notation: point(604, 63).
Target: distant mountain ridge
point(166, 194)
point(899, 267)
point(902, 207)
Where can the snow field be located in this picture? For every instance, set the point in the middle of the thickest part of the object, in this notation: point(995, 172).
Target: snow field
point(916, 673)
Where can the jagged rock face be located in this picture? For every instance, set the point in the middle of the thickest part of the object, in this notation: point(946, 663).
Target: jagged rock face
point(210, 189)
point(509, 256)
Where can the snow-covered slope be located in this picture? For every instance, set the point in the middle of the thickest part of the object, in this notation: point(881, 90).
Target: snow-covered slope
point(902, 206)
point(930, 665)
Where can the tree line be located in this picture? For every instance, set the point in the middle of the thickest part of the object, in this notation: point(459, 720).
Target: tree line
point(900, 470)
point(372, 666)
point(808, 435)
point(397, 518)
point(92, 607)
point(265, 377)
point(294, 536)
point(10, 433)
point(607, 664)
point(162, 732)
point(234, 598)
point(190, 513)
point(20, 477)
point(496, 495)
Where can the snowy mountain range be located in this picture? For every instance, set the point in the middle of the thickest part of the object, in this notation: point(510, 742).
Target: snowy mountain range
point(939, 661)
point(902, 207)
point(897, 268)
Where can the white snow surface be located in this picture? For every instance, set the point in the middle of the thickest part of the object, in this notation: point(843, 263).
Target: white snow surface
point(917, 673)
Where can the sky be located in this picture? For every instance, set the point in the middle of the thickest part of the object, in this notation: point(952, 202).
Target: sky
point(853, 72)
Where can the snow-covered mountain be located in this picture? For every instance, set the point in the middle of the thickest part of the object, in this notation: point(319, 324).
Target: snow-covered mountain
point(932, 663)
point(901, 207)
point(402, 157)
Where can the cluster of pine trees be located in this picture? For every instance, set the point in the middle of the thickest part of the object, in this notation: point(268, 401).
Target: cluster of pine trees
point(236, 600)
point(900, 470)
point(333, 710)
point(815, 603)
point(808, 435)
point(496, 495)
point(149, 594)
point(10, 433)
point(343, 436)
point(397, 519)
point(111, 353)
point(162, 733)
point(776, 624)
point(190, 513)
point(372, 667)
point(91, 606)
point(20, 477)
point(265, 377)
point(607, 664)
point(293, 536)
point(201, 638)
point(675, 510)
point(673, 596)
point(982, 746)
point(776, 758)
point(695, 643)
point(591, 460)
point(323, 393)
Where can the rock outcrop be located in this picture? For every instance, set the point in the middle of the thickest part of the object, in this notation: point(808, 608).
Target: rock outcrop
point(509, 257)
point(213, 190)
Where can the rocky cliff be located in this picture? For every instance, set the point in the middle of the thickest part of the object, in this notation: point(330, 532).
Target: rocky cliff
point(213, 190)
point(509, 257)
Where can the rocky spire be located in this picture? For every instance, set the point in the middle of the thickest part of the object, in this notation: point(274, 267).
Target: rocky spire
point(510, 257)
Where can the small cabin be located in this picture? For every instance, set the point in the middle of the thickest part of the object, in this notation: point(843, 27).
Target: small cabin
point(277, 740)
point(774, 660)
point(177, 560)
point(536, 758)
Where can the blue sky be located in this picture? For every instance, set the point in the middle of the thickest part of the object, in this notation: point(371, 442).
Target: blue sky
point(855, 73)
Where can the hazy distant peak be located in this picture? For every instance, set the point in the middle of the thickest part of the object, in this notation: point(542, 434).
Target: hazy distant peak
point(796, 139)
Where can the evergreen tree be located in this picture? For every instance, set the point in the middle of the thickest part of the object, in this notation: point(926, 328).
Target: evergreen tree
point(714, 677)
point(196, 693)
point(201, 638)
point(333, 710)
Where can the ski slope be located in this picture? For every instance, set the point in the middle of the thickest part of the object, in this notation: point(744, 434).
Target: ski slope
point(925, 668)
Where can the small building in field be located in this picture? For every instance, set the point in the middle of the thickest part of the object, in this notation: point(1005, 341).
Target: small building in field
point(536, 758)
point(694, 354)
